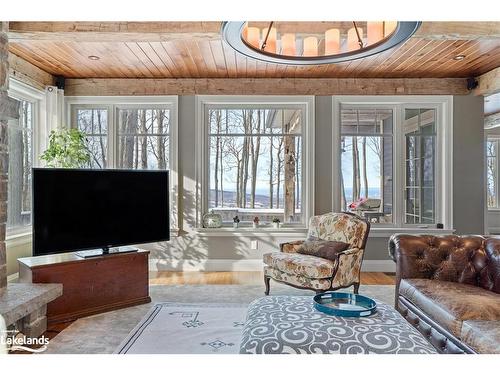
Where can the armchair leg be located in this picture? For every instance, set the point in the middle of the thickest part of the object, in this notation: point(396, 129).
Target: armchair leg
point(356, 288)
point(266, 282)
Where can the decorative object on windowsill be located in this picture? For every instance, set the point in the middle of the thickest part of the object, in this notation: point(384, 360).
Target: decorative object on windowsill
point(236, 221)
point(276, 222)
point(67, 149)
point(212, 220)
point(344, 304)
point(256, 222)
point(313, 43)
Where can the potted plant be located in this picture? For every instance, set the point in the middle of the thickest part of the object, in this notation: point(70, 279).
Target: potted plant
point(236, 221)
point(67, 149)
point(255, 221)
point(276, 222)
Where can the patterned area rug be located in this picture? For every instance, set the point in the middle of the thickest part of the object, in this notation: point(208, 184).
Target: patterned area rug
point(103, 333)
point(172, 328)
point(288, 324)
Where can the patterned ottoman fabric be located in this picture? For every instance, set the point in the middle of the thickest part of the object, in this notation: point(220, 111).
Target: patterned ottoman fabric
point(289, 324)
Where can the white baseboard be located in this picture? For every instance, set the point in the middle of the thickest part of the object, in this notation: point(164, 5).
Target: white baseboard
point(378, 266)
point(14, 278)
point(216, 265)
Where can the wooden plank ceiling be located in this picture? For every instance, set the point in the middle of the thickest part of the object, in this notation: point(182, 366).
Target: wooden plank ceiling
point(200, 53)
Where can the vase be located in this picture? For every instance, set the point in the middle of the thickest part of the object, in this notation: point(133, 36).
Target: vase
point(236, 225)
point(276, 225)
point(255, 225)
point(212, 220)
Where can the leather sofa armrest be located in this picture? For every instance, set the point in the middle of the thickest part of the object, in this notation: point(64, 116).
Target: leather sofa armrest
point(411, 254)
point(408, 251)
point(290, 247)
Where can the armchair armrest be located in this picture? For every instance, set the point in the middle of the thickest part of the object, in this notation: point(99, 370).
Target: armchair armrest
point(290, 247)
point(350, 251)
point(348, 267)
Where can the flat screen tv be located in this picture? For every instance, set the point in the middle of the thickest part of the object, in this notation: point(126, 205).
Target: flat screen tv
point(79, 209)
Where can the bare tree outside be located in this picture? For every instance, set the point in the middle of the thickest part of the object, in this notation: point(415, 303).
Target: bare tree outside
point(255, 163)
point(93, 122)
point(143, 136)
point(491, 172)
point(20, 139)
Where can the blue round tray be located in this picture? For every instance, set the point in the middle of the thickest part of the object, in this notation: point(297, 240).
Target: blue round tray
point(344, 304)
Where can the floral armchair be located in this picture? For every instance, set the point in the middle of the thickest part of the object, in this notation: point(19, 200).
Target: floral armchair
point(319, 274)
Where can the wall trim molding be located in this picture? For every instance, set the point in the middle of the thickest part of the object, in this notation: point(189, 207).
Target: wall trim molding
point(217, 265)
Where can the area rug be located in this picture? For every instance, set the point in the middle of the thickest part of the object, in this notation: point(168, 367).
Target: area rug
point(103, 333)
point(184, 328)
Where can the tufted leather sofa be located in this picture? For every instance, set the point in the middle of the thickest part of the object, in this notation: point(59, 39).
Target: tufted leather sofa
point(448, 287)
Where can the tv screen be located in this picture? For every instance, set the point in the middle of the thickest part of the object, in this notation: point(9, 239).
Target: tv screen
point(78, 209)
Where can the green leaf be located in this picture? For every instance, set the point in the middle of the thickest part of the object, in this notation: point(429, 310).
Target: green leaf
point(67, 149)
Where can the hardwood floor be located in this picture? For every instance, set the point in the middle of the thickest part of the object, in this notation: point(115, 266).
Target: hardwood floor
point(242, 278)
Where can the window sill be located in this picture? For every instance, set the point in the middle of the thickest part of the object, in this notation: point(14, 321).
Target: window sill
point(302, 232)
point(251, 232)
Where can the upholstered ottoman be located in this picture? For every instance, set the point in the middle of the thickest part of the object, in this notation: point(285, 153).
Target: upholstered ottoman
point(291, 324)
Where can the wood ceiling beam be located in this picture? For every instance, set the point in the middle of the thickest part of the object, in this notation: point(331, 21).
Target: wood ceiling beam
point(489, 83)
point(459, 30)
point(266, 86)
point(113, 31)
point(28, 73)
point(168, 31)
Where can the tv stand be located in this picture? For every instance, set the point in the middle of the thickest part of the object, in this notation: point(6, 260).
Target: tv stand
point(90, 285)
point(106, 250)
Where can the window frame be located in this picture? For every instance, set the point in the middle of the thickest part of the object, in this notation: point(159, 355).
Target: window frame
point(444, 155)
point(392, 135)
point(113, 104)
point(21, 91)
point(205, 102)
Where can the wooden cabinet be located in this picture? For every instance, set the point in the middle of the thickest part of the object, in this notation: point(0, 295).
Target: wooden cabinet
point(90, 286)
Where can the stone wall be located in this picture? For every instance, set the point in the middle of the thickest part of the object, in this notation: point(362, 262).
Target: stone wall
point(9, 109)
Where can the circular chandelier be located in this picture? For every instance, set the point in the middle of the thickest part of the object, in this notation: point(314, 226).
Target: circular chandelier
point(313, 43)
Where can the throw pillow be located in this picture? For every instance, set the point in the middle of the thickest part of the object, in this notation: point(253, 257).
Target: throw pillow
point(322, 248)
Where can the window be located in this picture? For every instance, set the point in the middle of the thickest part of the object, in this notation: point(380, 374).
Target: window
point(20, 133)
point(420, 158)
point(492, 172)
point(143, 138)
point(94, 123)
point(395, 166)
point(130, 133)
point(255, 160)
point(366, 157)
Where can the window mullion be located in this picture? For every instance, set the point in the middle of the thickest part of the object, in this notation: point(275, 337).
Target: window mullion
point(112, 137)
point(399, 168)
